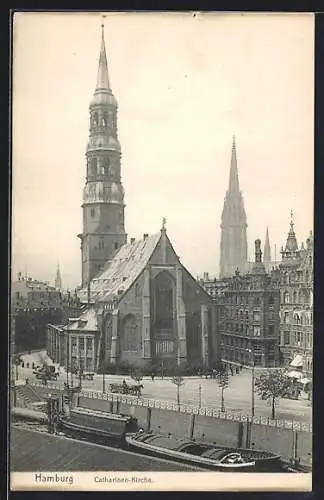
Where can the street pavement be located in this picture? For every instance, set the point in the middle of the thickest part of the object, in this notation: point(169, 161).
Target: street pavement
point(196, 390)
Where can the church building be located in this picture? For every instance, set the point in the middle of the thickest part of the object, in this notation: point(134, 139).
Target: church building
point(141, 307)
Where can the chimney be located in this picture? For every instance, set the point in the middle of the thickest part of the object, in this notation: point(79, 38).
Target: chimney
point(145, 236)
point(132, 240)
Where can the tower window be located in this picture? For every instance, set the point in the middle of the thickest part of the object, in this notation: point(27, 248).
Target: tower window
point(106, 165)
point(94, 167)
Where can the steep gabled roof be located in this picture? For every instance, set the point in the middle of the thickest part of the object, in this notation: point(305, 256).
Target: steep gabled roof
point(86, 322)
point(121, 272)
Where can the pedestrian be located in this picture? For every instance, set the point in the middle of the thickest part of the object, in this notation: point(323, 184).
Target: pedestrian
point(231, 370)
point(237, 369)
point(152, 376)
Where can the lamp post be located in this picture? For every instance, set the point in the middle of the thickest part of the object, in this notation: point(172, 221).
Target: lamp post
point(162, 369)
point(199, 393)
point(253, 381)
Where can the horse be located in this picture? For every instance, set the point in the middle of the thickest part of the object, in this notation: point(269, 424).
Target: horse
point(135, 390)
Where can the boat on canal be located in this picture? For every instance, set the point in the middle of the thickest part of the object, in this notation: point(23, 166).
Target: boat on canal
point(209, 456)
point(96, 426)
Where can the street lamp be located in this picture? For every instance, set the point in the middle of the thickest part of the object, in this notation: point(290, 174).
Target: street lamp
point(252, 382)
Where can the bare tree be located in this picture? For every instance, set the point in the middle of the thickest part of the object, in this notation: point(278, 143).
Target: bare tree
point(223, 382)
point(178, 381)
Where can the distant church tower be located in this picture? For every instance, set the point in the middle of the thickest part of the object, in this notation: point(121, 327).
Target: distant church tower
point(103, 194)
point(267, 249)
point(58, 279)
point(233, 251)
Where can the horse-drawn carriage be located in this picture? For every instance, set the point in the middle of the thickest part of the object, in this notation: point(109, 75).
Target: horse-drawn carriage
point(132, 390)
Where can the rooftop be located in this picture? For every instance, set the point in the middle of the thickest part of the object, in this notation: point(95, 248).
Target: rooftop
point(121, 272)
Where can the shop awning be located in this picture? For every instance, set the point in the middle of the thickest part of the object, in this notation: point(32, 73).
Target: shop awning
point(305, 381)
point(294, 374)
point(297, 361)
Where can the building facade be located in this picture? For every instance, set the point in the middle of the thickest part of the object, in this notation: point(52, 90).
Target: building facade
point(103, 195)
point(296, 308)
point(74, 345)
point(34, 304)
point(248, 310)
point(233, 247)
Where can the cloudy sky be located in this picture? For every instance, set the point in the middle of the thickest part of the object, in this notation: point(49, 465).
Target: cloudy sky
point(185, 84)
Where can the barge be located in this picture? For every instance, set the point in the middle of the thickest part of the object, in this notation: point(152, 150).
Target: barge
point(97, 426)
point(209, 456)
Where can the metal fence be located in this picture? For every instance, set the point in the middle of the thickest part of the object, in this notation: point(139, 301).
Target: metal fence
point(185, 408)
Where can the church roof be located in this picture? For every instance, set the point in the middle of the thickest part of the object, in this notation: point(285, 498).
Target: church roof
point(121, 272)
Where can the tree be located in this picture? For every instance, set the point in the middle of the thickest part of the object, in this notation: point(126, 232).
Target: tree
point(271, 386)
point(178, 381)
point(222, 380)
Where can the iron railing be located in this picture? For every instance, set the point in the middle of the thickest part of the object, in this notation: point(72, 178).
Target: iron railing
point(185, 408)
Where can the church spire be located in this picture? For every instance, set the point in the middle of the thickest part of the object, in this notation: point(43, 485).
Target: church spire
point(103, 77)
point(58, 279)
point(267, 248)
point(234, 180)
point(233, 251)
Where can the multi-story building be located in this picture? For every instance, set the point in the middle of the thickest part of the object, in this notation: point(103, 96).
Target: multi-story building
point(248, 314)
point(75, 345)
point(34, 304)
point(296, 314)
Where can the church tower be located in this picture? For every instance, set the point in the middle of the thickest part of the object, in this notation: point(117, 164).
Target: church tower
point(267, 249)
point(233, 251)
point(103, 194)
point(58, 279)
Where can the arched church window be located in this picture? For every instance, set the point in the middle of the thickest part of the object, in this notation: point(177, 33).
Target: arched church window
point(92, 212)
point(116, 245)
point(95, 119)
point(130, 334)
point(286, 298)
point(163, 301)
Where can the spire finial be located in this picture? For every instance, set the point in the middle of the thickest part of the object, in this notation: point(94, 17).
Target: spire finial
point(163, 224)
point(234, 181)
point(103, 78)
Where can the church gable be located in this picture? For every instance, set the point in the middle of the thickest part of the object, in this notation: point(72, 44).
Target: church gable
point(164, 253)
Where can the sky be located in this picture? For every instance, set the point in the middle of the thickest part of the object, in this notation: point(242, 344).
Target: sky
point(185, 84)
